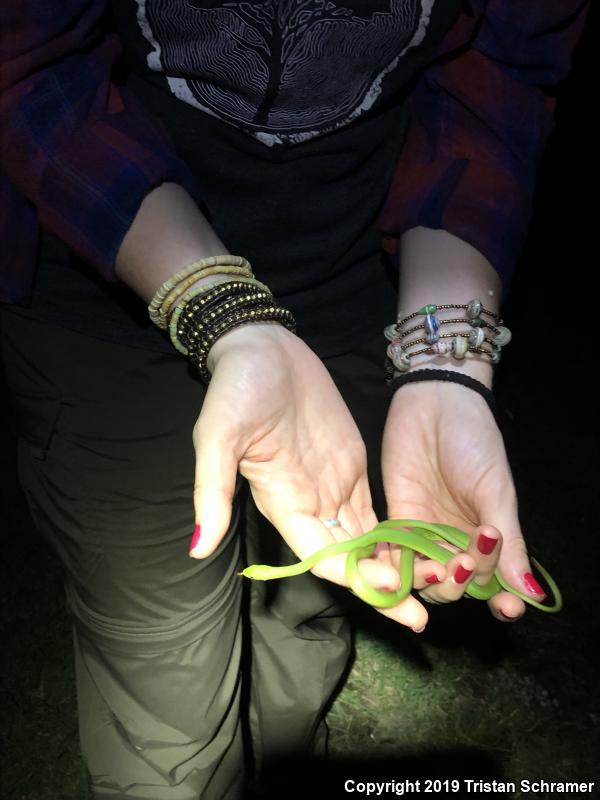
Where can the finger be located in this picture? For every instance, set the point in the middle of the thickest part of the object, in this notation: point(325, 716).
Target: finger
point(381, 575)
point(428, 572)
point(362, 504)
point(306, 534)
point(485, 548)
point(363, 520)
point(425, 573)
point(351, 525)
point(489, 543)
point(214, 488)
point(511, 610)
point(360, 509)
point(409, 612)
point(513, 565)
point(459, 571)
point(349, 520)
point(383, 553)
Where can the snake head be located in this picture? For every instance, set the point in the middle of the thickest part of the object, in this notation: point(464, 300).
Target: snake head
point(258, 572)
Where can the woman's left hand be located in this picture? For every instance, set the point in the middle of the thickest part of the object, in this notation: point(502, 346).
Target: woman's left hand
point(443, 460)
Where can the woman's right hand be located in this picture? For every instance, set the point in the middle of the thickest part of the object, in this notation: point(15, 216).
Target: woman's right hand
point(273, 411)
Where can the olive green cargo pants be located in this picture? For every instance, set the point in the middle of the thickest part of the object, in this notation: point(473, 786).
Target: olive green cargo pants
point(107, 464)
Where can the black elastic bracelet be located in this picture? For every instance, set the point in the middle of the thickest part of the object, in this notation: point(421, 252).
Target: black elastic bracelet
point(444, 375)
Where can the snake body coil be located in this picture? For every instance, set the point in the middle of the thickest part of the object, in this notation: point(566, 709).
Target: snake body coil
point(420, 539)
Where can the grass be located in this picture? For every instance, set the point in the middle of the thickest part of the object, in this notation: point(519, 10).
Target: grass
point(470, 696)
point(481, 698)
point(532, 725)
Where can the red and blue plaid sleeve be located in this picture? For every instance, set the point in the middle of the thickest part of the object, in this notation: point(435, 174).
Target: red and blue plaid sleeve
point(482, 113)
point(77, 151)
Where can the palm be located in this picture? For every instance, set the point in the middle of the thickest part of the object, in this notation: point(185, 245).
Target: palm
point(294, 440)
point(310, 458)
point(436, 465)
point(443, 460)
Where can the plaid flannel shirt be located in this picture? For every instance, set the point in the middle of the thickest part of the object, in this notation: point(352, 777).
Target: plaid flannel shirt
point(78, 153)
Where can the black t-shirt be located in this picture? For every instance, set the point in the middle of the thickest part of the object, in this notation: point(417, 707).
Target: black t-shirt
point(291, 114)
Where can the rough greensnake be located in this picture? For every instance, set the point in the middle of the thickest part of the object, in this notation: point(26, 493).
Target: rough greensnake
point(421, 539)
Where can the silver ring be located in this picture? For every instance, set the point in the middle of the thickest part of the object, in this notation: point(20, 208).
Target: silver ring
point(331, 522)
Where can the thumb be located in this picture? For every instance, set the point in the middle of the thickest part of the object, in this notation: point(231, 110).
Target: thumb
point(514, 563)
point(214, 488)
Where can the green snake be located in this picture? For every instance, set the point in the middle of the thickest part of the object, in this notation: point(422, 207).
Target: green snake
point(421, 539)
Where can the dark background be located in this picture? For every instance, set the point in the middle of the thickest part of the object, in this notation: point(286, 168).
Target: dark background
point(548, 408)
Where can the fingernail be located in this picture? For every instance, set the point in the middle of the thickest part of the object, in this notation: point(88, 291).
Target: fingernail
point(419, 630)
point(195, 538)
point(485, 544)
point(532, 585)
point(507, 617)
point(432, 579)
point(461, 574)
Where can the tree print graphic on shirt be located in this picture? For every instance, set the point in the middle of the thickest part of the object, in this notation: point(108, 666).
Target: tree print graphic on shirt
point(282, 70)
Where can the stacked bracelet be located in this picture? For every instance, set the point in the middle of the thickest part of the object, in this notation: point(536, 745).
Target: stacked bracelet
point(204, 298)
point(206, 318)
point(178, 291)
point(483, 337)
point(197, 315)
point(173, 288)
point(267, 313)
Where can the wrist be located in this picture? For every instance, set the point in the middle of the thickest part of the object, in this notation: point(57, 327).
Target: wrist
point(438, 267)
point(477, 368)
point(441, 338)
point(438, 386)
point(250, 334)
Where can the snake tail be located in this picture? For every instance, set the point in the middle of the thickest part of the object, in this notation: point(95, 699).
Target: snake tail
point(413, 536)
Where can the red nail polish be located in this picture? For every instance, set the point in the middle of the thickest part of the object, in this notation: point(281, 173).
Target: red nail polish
point(432, 579)
point(485, 544)
point(461, 574)
point(532, 585)
point(195, 537)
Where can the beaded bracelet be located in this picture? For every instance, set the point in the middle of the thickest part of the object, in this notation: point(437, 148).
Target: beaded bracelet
point(196, 318)
point(196, 266)
point(198, 324)
point(180, 288)
point(199, 355)
point(397, 351)
point(478, 326)
point(431, 323)
point(474, 309)
point(205, 297)
point(206, 316)
point(399, 362)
